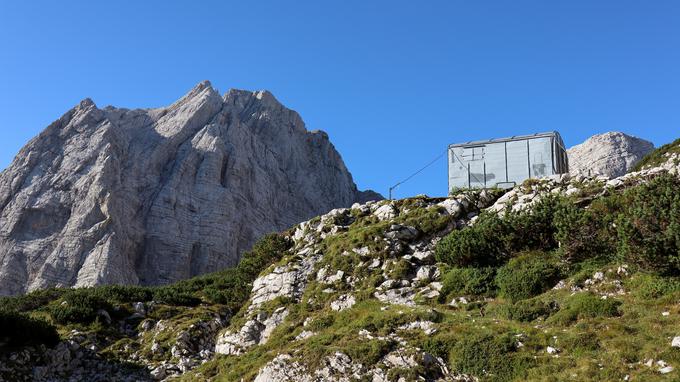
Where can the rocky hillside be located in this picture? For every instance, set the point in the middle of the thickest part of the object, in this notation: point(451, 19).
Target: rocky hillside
point(152, 196)
point(563, 278)
point(611, 154)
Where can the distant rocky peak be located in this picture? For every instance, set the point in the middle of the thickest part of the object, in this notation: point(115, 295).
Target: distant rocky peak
point(611, 154)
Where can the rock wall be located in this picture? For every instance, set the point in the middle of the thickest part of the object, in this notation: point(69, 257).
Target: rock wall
point(612, 154)
point(151, 196)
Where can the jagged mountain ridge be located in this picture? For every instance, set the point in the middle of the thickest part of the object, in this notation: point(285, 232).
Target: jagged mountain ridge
point(151, 196)
point(612, 154)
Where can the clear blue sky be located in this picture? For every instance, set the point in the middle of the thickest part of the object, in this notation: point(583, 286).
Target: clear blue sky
point(392, 82)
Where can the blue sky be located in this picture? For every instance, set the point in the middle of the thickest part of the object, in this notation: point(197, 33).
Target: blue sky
point(392, 82)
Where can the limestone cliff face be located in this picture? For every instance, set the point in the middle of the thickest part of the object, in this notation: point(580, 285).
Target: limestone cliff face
point(611, 154)
point(151, 196)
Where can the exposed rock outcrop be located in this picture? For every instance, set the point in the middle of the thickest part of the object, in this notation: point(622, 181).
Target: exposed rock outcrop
point(151, 196)
point(358, 295)
point(611, 154)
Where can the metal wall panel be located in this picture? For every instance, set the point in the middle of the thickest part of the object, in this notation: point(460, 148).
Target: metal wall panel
point(495, 164)
point(540, 156)
point(518, 161)
point(458, 175)
point(477, 172)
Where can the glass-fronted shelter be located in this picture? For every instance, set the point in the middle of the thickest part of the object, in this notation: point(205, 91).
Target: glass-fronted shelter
point(506, 162)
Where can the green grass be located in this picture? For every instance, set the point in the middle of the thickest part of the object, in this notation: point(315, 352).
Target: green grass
point(502, 335)
point(658, 156)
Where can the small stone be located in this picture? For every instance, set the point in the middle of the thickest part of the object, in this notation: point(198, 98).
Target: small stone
point(343, 302)
point(304, 334)
point(139, 308)
point(363, 251)
point(676, 342)
point(386, 212)
point(551, 350)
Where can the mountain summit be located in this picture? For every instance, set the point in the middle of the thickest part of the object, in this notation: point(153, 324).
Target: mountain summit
point(152, 196)
point(612, 154)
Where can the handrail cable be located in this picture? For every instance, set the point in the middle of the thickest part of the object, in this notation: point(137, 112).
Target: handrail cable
point(416, 173)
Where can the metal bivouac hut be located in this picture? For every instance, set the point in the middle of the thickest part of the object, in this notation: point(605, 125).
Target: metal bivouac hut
point(506, 162)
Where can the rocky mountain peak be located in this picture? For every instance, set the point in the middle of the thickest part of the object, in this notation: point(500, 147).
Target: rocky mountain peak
point(151, 196)
point(611, 154)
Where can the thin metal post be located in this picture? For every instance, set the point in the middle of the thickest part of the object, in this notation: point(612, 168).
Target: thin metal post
point(484, 173)
point(468, 169)
point(528, 159)
point(505, 145)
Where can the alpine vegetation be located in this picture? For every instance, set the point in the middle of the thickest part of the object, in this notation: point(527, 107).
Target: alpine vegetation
point(569, 277)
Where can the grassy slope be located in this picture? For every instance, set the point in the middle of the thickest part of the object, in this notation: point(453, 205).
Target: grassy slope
point(658, 156)
point(599, 346)
point(598, 339)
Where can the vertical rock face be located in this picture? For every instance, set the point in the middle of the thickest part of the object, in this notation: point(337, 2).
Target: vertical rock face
point(156, 195)
point(611, 154)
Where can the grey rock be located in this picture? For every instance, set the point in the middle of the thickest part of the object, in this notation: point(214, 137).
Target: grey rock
point(284, 281)
point(255, 331)
point(611, 154)
point(386, 212)
point(401, 232)
point(676, 342)
point(139, 308)
point(453, 207)
point(427, 273)
point(427, 327)
point(424, 257)
point(152, 196)
point(343, 302)
point(283, 369)
point(399, 296)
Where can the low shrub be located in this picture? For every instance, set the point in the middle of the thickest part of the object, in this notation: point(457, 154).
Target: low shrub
point(528, 310)
point(492, 240)
point(400, 270)
point(649, 227)
point(590, 305)
point(173, 295)
point(469, 282)
point(532, 228)
point(586, 305)
point(369, 352)
point(584, 234)
point(31, 301)
point(439, 345)
point(527, 275)
point(266, 251)
point(493, 356)
point(78, 306)
point(18, 329)
point(648, 286)
point(122, 294)
point(476, 246)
